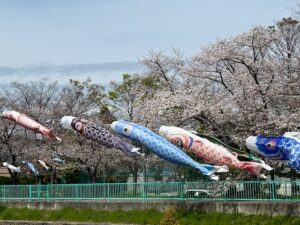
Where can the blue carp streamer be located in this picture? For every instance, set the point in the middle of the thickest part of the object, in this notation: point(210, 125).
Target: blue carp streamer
point(282, 148)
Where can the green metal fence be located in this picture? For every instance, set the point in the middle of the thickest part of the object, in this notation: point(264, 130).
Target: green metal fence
point(246, 190)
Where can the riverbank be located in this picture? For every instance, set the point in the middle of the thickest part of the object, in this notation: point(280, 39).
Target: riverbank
point(271, 208)
point(151, 217)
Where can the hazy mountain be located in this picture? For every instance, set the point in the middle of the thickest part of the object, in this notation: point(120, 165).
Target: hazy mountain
point(100, 73)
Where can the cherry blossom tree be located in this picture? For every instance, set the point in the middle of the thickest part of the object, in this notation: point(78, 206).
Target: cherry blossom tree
point(235, 87)
point(46, 103)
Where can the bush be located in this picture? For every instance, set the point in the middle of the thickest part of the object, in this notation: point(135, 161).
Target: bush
point(169, 217)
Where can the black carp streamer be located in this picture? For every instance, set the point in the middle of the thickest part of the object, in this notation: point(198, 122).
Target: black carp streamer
point(99, 134)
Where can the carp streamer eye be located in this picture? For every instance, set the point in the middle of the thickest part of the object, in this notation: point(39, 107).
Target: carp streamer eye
point(178, 142)
point(127, 130)
point(271, 145)
point(78, 126)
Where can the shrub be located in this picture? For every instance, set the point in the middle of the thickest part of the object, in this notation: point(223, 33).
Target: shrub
point(169, 217)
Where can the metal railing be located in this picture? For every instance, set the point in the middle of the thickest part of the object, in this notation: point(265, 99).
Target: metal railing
point(222, 190)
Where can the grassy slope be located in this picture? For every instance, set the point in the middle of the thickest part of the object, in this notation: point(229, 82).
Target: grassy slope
point(140, 217)
point(82, 215)
point(233, 219)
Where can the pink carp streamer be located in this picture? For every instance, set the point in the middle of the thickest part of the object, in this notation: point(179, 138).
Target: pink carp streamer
point(44, 164)
point(210, 152)
point(29, 124)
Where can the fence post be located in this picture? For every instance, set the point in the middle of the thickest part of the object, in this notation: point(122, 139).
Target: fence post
point(4, 194)
point(76, 191)
point(273, 190)
point(143, 188)
point(108, 191)
point(226, 191)
point(181, 185)
point(47, 192)
point(30, 193)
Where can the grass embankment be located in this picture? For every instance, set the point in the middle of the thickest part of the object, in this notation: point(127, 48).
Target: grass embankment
point(82, 215)
point(194, 218)
point(141, 217)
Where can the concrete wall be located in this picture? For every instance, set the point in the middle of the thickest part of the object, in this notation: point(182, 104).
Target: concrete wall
point(244, 207)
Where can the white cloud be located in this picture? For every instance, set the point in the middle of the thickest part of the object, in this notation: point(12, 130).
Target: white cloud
point(99, 73)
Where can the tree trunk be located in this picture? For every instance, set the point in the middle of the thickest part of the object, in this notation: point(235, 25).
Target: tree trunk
point(53, 180)
point(94, 178)
point(135, 177)
point(293, 183)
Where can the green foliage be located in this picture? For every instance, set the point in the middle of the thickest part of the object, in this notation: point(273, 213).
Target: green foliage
point(106, 115)
point(113, 95)
point(156, 171)
point(192, 174)
point(77, 176)
point(27, 179)
point(151, 82)
point(126, 76)
point(201, 129)
point(133, 89)
point(5, 180)
point(119, 89)
point(93, 92)
point(287, 22)
point(124, 93)
point(169, 217)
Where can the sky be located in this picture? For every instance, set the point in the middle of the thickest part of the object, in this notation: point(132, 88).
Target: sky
point(99, 31)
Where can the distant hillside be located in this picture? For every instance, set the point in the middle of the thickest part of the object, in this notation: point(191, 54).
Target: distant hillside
point(100, 73)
